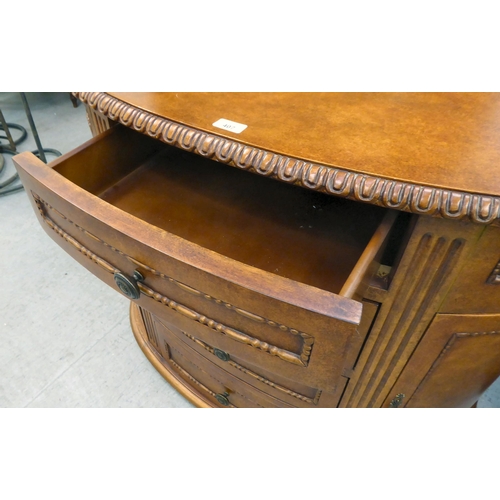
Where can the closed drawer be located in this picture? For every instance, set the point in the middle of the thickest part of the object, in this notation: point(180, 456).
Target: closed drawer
point(291, 392)
point(216, 385)
point(261, 268)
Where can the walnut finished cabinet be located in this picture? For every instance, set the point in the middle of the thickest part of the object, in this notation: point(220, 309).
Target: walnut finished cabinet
point(293, 250)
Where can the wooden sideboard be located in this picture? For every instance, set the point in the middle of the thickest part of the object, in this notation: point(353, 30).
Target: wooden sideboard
point(293, 250)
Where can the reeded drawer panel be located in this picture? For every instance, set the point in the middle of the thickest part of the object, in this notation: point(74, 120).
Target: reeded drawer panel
point(239, 260)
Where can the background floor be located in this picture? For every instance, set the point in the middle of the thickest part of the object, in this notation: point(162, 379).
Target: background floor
point(65, 338)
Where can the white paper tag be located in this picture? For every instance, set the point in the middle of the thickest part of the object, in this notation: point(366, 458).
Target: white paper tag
point(229, 125)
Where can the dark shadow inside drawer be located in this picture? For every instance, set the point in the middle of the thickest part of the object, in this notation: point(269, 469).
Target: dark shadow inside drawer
point(287, 230)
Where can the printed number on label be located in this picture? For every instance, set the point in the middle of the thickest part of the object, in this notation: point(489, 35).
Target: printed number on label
point(230, 125)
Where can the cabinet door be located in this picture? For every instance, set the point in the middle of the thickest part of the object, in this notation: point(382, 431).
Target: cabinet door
point(456, 361)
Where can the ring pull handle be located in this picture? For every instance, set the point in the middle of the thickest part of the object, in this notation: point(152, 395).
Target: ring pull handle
point(128, 284)
point(223, 398)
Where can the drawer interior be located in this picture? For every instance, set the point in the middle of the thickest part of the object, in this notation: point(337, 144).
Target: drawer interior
point(287, 230)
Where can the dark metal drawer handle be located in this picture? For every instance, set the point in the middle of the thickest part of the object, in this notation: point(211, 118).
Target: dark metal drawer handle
point(222, 355)
point(128, 285)
point(396, 402)
point(222, 398)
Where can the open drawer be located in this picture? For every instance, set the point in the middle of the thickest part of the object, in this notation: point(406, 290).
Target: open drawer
point(270, 271)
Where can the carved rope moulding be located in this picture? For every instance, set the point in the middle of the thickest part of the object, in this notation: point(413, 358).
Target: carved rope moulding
point(388, 193)
point(258, 377)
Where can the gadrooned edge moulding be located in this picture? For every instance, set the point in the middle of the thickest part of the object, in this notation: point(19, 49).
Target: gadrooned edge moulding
point(389, 193)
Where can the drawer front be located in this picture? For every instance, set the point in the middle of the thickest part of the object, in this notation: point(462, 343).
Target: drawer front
point(291, 392)
point(216, 385)
point(274, 323)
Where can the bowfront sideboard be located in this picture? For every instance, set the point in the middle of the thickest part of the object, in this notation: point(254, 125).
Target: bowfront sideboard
point(293, 249)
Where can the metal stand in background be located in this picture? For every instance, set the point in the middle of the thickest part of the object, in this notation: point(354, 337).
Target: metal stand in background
point(6, 186)
point(40, 152)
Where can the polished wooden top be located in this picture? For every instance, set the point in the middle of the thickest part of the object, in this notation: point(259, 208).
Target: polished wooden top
point(430, 153)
